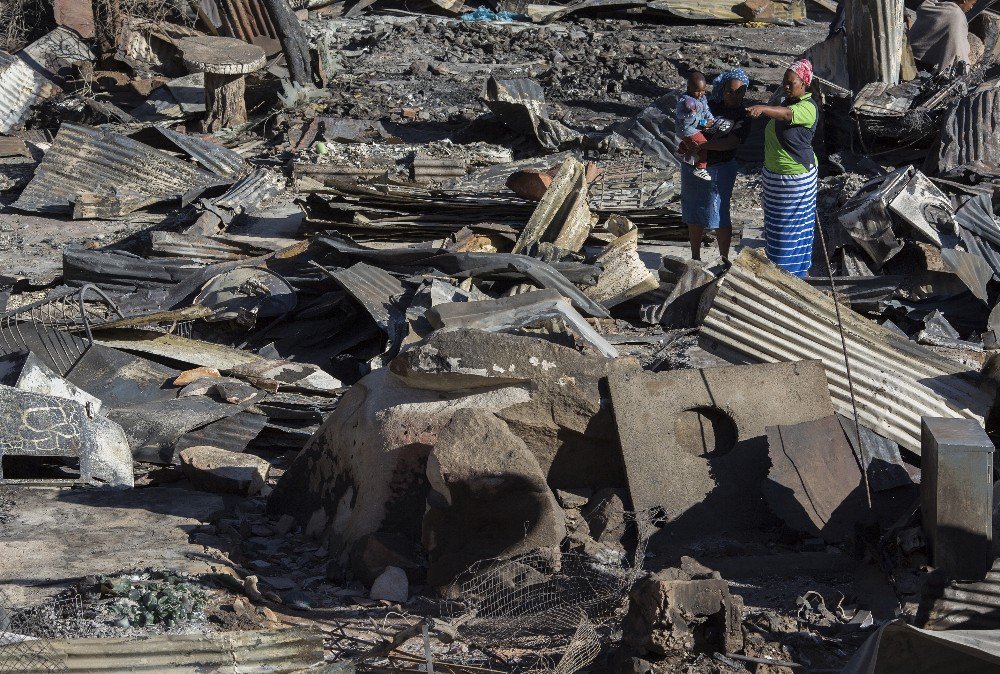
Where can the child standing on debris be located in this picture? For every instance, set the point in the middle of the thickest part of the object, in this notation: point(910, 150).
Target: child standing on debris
point(693, 116)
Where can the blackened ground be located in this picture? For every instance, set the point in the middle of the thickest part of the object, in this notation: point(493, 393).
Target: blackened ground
point(596, 71)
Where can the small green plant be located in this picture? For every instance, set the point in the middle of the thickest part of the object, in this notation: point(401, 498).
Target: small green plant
point(165, 599)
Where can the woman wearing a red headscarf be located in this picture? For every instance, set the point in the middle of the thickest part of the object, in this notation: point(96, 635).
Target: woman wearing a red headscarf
point(790, 172)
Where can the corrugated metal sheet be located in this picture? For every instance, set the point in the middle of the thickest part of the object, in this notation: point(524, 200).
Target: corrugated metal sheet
point(654, 130)
point(969, 138)
point(85, 159)
point(976, 244)
point(874, 41)
point(976, 215)
point(20, 88)
point(218, 159)
point(862, 293)
point(235, 433)
point(761, 313)
point(374, 288)
point(243, 19)
point(271, 651)
point(251, 192)
point(968, 605)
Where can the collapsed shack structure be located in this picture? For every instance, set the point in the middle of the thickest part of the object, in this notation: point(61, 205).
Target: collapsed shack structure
point(381, 320)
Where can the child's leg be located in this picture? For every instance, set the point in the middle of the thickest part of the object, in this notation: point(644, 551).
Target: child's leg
point(698, 140)
point(702, 159)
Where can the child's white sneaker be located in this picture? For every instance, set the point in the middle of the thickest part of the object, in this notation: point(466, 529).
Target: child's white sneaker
point(702, 174)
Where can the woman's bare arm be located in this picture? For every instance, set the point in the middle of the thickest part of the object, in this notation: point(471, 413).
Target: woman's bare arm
point(778, 112)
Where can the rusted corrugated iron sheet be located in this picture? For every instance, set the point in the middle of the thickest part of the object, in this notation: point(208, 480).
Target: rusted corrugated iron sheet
point(969, 138)
point(760, 313)
point(84, 159)
point(875, 34)
point(244, 19)
point(218, 159)
point(20, 88)
point(273, 651)
point(251, 192)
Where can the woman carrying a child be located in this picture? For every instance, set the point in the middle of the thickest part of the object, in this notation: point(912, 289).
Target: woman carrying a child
point(707, 183)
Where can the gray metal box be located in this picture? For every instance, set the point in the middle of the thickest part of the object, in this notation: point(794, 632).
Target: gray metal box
point(957, 495)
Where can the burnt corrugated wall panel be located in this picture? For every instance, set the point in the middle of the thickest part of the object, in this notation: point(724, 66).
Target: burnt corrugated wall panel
point(763, 314)
point(84, 159)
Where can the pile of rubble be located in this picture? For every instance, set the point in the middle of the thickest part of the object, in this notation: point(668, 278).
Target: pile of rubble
point(383, 324)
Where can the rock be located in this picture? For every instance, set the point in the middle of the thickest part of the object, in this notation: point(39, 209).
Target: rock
point(284, 525)
point(316, 524)
point(372, 553)
point(392, 586)
point(671, 613)
point(605, 514)
point(221, 471)
point(279, 582)
point(489, 497)
point(695, 570)
point(573, 499)
point(419, 68)
point(366, 466)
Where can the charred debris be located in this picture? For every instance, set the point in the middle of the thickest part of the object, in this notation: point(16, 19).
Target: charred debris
point(363, 336)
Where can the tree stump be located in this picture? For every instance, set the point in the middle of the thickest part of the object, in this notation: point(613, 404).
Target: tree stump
point(225, 61)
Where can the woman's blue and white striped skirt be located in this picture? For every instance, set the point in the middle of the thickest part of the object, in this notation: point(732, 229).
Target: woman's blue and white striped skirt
point(789, 220)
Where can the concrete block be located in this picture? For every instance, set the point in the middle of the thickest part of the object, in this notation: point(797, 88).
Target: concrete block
point(221, 471)
point(694, 442)
point(957, 495)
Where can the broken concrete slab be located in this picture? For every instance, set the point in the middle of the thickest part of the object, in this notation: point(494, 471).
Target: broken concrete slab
point(38, 425)
point(57, 54)
point(28, 373)
point(224, 472)
point(694, 441)
point(96, 531)
point(814, 484)
point(670, 612)
point(760, 313)
point(488, 497)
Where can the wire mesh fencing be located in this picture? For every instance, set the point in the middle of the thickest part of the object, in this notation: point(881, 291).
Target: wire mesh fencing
point(26, 633)
point(552, 607)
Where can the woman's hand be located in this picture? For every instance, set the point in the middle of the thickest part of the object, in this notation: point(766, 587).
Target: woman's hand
point(756, 111)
